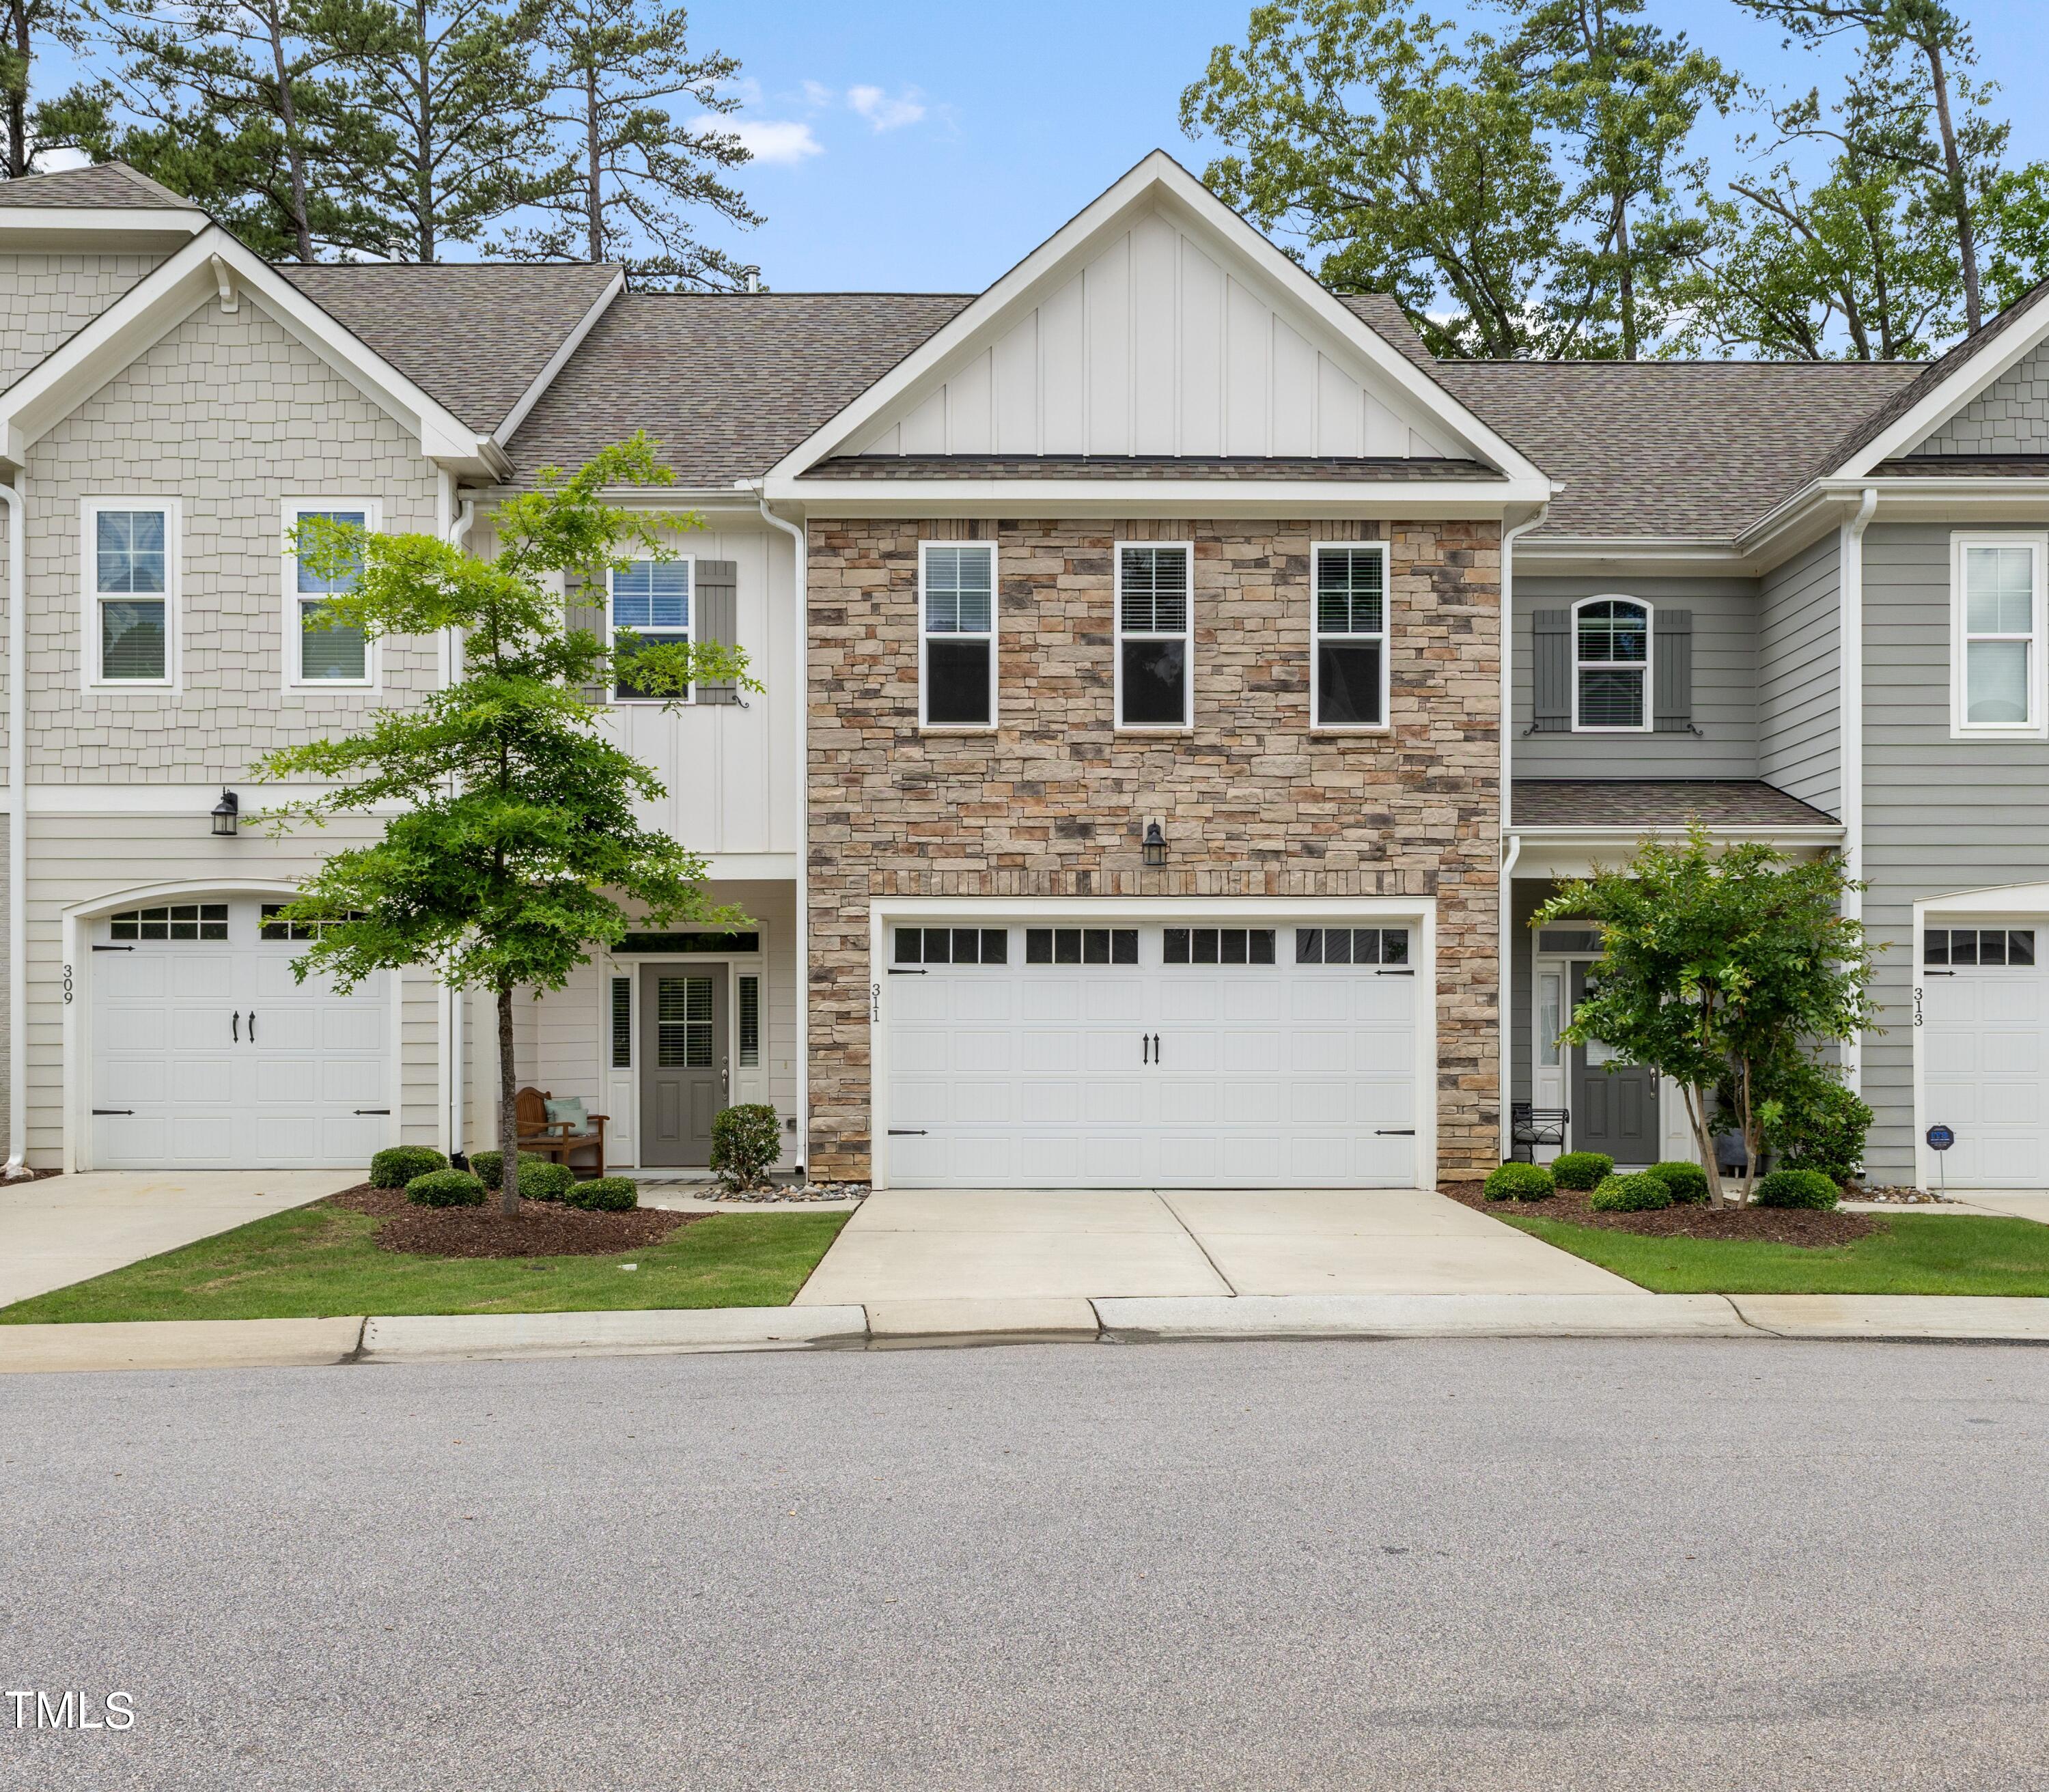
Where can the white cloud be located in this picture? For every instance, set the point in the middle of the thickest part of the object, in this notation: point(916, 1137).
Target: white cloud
point(883, 112)
point(818, 95)
point(785, 142)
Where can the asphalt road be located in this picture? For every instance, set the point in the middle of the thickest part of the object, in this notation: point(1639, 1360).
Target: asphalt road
point(1458, 1565)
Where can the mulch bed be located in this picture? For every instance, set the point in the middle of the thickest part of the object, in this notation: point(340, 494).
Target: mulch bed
point(1774, 1226)
point(538, 1229)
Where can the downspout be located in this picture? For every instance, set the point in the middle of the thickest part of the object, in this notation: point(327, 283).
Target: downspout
point(458, 533)
point(802, 944)
point(18, 836)
point(1511, 843)
point(1851, 660)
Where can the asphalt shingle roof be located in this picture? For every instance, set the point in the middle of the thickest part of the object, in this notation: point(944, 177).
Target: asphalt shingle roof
point(110, 184)
point(475, 335)
point(727, 383)
point(1658, 802)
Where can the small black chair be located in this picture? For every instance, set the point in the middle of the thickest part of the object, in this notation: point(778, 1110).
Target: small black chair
point(1530, 1126)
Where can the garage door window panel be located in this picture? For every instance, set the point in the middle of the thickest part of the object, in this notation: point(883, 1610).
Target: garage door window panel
point(1978, 947)
point(1154, 635)
point(1081, 946)
point(176, 921)
point(952, 945)
point(957, 635)
point(1217, 945)
point(1351, 945)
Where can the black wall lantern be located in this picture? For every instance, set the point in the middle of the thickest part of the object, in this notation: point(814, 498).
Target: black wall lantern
point(1156, 846)
point(226, 815)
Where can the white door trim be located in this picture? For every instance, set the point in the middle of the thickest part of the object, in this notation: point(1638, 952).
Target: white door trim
point(1421, 911)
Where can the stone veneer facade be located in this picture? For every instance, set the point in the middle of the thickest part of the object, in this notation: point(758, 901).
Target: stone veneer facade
point(1254, 802)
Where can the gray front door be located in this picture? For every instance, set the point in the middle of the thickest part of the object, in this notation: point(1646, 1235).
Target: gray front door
point(1614, 1110)
point(683, 1062)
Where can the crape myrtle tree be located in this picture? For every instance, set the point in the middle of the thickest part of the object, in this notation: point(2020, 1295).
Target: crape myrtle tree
point(1719, 967)
point(512, 847)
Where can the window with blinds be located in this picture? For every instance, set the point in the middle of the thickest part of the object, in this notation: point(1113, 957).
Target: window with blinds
point(328, 653)
point(622, 1023)
point(1154, 633)
point(750, 1021)
point(651, 607)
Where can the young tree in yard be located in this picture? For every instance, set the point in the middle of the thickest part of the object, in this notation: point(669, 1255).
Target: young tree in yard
point(515, 849)
point(1720, 966)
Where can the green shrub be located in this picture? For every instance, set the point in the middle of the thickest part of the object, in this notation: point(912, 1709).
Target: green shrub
point(605, 1194)
point(1688, 1182)
point(1796, 1188)
point(485, 1164)
point(545, 1181)
point(394, 1168)
point(745, 1142)
point(1823, 1128)
point(1582, 1169)
point(1640, 1193)
point(1519, 1182)
point(445, 1188)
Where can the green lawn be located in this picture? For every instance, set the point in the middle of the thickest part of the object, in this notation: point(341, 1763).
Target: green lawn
point(316, 1261)
point(1917, 1253)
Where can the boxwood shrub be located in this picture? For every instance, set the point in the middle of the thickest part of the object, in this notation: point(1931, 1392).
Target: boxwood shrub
point(745, 1142)
point(395, 1168)
point(1640, 1193)
point(1688, 1182)
point(1582, 1169)
point(546, 1180)
point(445, 1188)
point(485, 1163)
point(1519, 1182)
point(605, 1194)
point(1796, 1188)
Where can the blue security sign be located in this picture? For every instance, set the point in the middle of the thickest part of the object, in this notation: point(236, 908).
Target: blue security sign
point(1941, 1138)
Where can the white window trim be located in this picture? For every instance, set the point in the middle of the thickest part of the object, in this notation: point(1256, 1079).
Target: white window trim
point(2036, 727)
point(1386, 725)
point(924, 639)
point(1650, 661)
point(294, 636)
point(1187, 724)
point(612, 696)
point(174, 533)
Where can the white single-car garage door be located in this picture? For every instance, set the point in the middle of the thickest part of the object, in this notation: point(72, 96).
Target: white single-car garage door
point(207, 1054)
point(1037, 1055)
point(1983, 1016)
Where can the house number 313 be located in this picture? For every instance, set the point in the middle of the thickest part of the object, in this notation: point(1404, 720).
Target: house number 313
point(1916, 1007)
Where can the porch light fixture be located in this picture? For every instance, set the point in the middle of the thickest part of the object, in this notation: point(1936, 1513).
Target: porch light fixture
point(1156, 846)
point(226, 815)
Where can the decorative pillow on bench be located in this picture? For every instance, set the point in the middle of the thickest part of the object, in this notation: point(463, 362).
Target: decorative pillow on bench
point(571, 1109)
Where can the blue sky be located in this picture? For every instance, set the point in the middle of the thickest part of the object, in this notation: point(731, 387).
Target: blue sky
point(927, 147)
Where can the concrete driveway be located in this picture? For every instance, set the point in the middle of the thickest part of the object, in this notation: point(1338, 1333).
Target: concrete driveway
point(63, 1229)
point(920, 1245)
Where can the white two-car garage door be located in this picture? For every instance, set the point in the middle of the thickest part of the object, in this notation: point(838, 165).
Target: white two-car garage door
point(1984, 1038)
point(207, 1054)
point(1038, 1055)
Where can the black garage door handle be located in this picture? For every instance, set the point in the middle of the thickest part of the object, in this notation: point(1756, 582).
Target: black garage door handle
point(114, 1110)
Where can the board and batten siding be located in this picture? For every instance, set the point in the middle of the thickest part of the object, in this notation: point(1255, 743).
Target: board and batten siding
point(1939, 815)
point(1725, 684)
point(1162, 343)
point(1799, 682)
point(46, 296)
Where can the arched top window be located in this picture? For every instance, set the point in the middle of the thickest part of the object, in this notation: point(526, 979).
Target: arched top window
point(1611, 665)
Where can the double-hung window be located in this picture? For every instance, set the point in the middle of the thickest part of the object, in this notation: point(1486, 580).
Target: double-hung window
point(1154, 635)
point(318, 654)
point(957, 634)
point(1996, 653)
point(1611, 665)
point(650, 601)
point(131, 558)
point(1348, 667)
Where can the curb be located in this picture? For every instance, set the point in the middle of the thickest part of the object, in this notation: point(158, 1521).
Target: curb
point(475, 1337)
point(1425, 1315)
point(180, 1344)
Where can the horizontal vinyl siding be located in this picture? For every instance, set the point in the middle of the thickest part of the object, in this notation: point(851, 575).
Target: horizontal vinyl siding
point(1798, 679)
point(1724, 699)
point(1940, 815)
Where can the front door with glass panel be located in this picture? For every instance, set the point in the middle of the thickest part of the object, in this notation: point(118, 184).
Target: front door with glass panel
point(684, 1068)
point(1614, 1106)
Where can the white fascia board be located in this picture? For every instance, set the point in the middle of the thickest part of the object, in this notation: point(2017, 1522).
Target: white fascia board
point(559, 359)
point(2002, 899)
point(95, 227)
point(1158, 175)
point(1114, 497)
point(1559, 556)
point(1607, 836)
point(1977, 372)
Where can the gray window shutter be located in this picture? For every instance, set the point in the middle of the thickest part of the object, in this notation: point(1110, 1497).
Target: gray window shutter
point(581, 613)
point(1672, 681)
point(1551, 670)
point(718, 603)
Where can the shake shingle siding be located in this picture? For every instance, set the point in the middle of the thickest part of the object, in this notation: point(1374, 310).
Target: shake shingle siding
point(1799, 745)
point(1940, 815)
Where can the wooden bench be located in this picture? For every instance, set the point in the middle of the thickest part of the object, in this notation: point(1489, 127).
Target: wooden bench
point(555, 1138)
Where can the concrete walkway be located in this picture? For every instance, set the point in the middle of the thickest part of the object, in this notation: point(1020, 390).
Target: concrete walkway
point(62, 1230)
point(921, 1246)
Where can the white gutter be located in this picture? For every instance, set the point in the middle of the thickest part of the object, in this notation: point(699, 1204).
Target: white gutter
point(1850, 723)
point(17, 836)
point(458, 533)
point(798, 540)
point(1512, 849)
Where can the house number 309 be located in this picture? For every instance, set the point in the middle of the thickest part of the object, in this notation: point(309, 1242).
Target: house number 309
point(67, 985)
